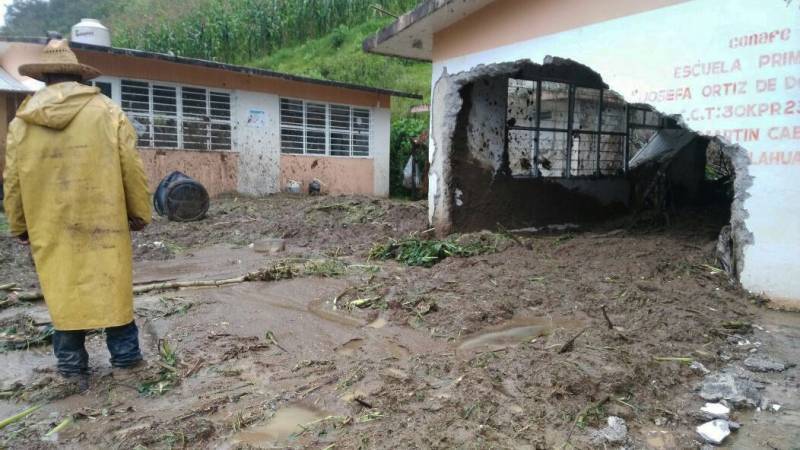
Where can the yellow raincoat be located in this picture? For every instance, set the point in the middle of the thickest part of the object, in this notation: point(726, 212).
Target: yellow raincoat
point(72, 179)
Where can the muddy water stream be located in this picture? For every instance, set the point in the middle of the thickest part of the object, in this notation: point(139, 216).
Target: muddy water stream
point(515, 332)
point(350, 347)
point(780, 334)
point(279, 429)
point(20, 365)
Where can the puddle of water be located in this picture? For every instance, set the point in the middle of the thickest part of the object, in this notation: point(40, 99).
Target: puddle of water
point(280, 427)
point(779, 333)
point(380, 322)
point(516, 332)
point(322, 309)
point(19, 365)
point(396, 350)
point(349, 347)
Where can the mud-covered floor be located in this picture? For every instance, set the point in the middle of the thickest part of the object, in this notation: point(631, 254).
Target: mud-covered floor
point(469, 353)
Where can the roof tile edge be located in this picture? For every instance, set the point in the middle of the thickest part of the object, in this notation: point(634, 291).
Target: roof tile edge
point(216, 65)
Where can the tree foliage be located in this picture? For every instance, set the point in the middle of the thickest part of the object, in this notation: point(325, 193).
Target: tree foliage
point(237, 31)
point(233, 31)
point(33, 18)
point(403, 131)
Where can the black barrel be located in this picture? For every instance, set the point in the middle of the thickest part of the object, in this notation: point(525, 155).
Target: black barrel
point(181, 198)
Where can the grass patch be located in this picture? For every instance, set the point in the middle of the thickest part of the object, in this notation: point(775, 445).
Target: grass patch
point(338, 56)
point(414, 251)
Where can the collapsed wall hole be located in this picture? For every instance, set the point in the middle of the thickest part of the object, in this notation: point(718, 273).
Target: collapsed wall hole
point(526, 145)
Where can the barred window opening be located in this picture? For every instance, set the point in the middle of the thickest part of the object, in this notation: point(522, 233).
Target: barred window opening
point(557, 129)
point(167, 116)
point(314, 128)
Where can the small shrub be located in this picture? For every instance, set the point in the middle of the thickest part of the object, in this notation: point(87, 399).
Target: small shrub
point(338, 37)
point(403, 130)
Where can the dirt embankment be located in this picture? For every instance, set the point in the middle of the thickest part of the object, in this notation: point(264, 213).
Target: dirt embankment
point(530, 346)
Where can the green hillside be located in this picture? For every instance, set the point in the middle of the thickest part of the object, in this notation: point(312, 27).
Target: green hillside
point(338, 56)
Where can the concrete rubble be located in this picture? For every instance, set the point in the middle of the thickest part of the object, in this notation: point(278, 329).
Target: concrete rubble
point(758, 363)
point(715, 431)
point(615, 433)
point(698, 366)
point(730, 387)
point(716, 411)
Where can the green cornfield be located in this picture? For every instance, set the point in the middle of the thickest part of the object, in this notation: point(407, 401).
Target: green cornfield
point(237, 31)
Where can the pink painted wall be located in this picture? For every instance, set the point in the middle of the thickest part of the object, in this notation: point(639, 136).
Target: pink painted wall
point(217, 171)
point(505, 22)
point(338, 175)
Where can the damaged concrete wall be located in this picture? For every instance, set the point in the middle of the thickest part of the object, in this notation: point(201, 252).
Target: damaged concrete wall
point(472, 184)
point(448, 103)
point(730, 70)
point(739, 237)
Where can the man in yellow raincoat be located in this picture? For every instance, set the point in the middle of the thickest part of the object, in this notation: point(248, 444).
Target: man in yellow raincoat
point(74, 188)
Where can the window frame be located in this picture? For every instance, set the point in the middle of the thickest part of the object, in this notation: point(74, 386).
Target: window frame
point(329, 130)
point(180, 118)
point(598, 134)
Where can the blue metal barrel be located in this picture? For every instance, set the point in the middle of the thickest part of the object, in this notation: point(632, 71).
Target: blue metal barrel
point(181, 198)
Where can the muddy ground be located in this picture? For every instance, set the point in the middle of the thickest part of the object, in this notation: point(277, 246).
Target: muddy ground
point(506, 349)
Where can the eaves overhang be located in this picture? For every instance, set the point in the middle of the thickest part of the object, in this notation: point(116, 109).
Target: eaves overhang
point(411, 35)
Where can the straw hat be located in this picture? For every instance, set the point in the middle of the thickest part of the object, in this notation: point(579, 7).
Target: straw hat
point(57, 58)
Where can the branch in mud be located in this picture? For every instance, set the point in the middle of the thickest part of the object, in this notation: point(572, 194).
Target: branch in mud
point(276, 272)
point(570, 344)
point(166, 286)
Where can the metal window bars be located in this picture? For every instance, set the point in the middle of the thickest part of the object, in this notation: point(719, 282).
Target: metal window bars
point(559, 129)
point(315, 128)
point(169, 116)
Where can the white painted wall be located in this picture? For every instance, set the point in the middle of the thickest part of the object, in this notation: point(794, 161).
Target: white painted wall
point(379, 148)
point(647, 57)
point(257, 143)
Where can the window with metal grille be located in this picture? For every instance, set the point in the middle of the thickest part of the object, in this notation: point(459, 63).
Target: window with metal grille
point(313, 128)
point(105, 87)
point(136, 103)
point(167, 116)
point(557, 129)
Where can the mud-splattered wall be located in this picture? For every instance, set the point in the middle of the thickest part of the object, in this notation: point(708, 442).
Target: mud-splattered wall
point(217, 171)
point(254, 164)
point(257, 142)
point(705, 46)
point(337, 175)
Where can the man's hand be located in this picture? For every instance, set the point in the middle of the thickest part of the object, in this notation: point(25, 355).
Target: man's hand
point(136, 224)
point(24, 239)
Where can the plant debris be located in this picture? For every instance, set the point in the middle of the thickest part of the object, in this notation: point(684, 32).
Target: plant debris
point(21, 333)
point(416, 251)
point(166, 377)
